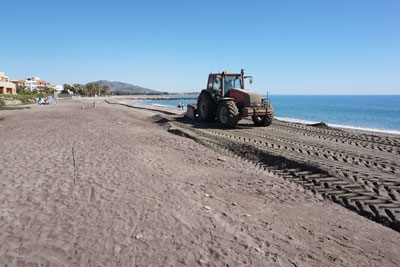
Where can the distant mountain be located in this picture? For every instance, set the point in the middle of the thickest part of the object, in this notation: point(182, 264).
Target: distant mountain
point(119, 88)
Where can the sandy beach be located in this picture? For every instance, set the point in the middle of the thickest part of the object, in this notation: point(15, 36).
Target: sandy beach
point(154, 190)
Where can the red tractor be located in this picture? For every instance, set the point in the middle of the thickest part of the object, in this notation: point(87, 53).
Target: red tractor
point(227, 100)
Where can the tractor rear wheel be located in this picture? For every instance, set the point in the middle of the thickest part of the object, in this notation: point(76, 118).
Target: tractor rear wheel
point(228, 114)
point(262, 120)
point(206, 107)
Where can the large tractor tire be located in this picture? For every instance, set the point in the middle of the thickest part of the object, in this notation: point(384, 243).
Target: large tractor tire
point(263, 121)
point(206, 107)
point(228, 114)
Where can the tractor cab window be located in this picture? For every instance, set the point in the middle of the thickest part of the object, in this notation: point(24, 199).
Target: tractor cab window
point(213, 84)
point(232, 82)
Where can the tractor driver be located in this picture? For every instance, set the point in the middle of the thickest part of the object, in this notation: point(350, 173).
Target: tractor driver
point(216, 85)
point(228, 84)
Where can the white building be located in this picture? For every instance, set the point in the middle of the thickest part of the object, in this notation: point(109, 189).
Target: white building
point(32, 83)
point(35, 83)
point(58, 88)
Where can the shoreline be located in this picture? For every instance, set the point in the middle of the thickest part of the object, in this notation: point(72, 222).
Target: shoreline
point(295, 120)
point(342, 126)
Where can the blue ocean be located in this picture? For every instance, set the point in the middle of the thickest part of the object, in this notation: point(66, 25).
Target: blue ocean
point(379, 113)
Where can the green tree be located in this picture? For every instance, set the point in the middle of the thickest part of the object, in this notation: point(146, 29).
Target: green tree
point(20, 89)
point(104, 90)
point(77, 88)
point(48, 90)
point(84, 91)
point(69, 87)
point(91, 88)
point(97, 89)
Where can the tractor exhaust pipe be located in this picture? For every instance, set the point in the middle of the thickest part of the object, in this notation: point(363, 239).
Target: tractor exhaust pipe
point(242, 72)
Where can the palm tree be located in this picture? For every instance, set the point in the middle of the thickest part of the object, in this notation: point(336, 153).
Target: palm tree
point(67, 87)
point(91, 88)
point(104, 90)
point(77, 88)
point(96, 89)
point(48, 90)
point(84, 91)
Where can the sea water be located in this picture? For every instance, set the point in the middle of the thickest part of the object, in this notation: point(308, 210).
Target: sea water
point(379, 113)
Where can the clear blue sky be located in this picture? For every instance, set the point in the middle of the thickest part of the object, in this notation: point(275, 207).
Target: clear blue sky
point(290, 47)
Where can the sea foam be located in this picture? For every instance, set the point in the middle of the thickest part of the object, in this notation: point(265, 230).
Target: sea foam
point(333, 125)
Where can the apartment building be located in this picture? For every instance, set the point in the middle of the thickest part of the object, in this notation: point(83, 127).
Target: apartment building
point(35, 83)
point(6, 87)
point(32, 83)
point(19, 82)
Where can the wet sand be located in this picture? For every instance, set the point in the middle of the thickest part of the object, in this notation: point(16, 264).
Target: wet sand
point(146, 197)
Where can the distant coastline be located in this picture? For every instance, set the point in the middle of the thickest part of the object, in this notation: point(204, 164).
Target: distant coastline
point(156, 94)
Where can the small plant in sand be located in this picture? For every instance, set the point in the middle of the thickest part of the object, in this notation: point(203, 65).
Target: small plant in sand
point(2, 118)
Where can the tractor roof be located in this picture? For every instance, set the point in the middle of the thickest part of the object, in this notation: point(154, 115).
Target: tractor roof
point(226, 74)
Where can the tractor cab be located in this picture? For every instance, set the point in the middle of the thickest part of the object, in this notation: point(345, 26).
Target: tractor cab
point(223, 82)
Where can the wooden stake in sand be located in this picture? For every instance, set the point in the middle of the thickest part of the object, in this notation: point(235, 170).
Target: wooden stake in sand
point(73, 160)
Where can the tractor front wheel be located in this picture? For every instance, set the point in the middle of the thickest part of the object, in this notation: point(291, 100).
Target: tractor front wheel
point(206, 107)
point(262, 120)
point(228, 114)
